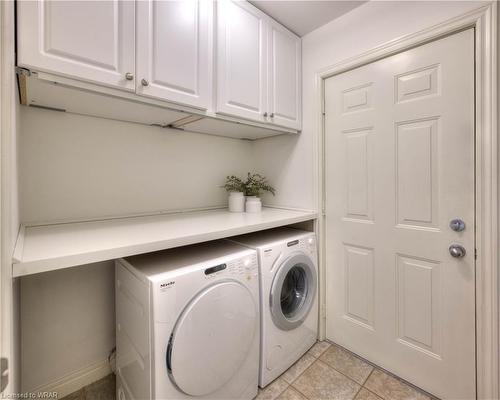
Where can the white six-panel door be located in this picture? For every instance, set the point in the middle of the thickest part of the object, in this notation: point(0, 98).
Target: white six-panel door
point(285, 61)
point(174, 56)
point(399, 167)
point(89, 40)
point(241, 60)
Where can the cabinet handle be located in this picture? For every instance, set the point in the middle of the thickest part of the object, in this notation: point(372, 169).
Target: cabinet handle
point(265, 115)
point(129, 76)
point(272, 115)
point(144, 82)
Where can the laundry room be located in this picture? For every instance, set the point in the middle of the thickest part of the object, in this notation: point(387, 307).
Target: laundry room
point(231, 199)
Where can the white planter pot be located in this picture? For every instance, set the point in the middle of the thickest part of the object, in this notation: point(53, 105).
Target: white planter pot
point(236, 202)
point(253, 204)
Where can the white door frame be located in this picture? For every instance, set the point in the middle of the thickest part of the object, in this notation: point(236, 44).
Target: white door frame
point(484, 21)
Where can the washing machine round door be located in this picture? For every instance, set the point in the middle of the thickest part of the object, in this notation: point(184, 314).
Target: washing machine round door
point(212, 338)
point(292, 291)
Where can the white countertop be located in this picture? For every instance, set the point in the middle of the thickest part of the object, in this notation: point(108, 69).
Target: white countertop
point(50, 247)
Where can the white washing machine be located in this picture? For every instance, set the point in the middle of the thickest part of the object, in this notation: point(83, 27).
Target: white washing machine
point(288, 298)
point(187, 323)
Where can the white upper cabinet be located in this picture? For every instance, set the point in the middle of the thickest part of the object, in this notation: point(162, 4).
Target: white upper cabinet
point(258, 66)
point(87, 40)
point(241, 60)
point(222, 59)
point(174, 51)
point(284, 77)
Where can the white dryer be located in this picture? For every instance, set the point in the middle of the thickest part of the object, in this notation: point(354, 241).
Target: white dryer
point(288, 298)
point(187, 323)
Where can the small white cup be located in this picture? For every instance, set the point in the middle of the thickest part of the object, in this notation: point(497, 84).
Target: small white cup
point(253, 204)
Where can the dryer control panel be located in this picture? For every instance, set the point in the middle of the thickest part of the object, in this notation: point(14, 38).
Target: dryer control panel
point(243, 267)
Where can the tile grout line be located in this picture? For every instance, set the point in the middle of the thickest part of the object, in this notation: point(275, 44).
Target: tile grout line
point(368, 377)
point(324, 363)
point(329, 366)
point(323, 352)
point(368, 389)
point(356, 395)
point(261, 390)
point(299, 391)
point(343, 374)
point(340, 372)
point(298, 376)
point(284, 390)
point(376, 394)
point(375, 366)
point(290, 384)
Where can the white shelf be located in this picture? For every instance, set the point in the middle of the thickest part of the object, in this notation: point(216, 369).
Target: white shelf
point(51, 247)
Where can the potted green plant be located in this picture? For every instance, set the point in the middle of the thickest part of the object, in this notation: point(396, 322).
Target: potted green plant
point(254, 186)
point(236, 189)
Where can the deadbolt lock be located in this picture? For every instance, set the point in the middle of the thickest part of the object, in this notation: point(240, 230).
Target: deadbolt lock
point(457, 225)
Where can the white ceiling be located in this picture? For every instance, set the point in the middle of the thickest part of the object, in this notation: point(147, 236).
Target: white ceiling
point(304, 16)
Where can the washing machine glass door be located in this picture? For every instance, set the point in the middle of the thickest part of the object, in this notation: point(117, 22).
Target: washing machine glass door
point(292, 291)
point(212, 338)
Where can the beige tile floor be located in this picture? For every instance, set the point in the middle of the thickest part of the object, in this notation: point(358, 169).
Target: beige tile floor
point(326, 371)
point(103, 389)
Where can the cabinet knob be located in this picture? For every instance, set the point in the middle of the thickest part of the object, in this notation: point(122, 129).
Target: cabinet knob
point(144, 82)
point(272, 115)
point(265, 114)
point(129, 76)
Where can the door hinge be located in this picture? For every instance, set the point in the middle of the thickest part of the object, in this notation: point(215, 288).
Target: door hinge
point(4, 373)
point(23, 71)
point(475, 254)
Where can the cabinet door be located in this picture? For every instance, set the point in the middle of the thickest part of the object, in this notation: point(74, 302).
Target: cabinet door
point(241, 60)
point(285, 80)
point(174, 51)
point(88, 40)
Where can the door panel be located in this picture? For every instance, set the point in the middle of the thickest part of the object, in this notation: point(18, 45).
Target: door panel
point(399, 167)
point(284, 77)
point(174, 51)
point(241, 60)
point(89, 40)
point(359, 270)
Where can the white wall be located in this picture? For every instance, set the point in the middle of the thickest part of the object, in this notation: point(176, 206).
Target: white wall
point(78, 167)
point(67, 322)
point(74, 167)
point(360, 30)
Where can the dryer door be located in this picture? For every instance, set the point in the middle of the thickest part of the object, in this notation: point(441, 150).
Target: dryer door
point(212, 338)
point(292, 291)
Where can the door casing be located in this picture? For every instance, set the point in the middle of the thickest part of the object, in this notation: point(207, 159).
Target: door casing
point(483, 20)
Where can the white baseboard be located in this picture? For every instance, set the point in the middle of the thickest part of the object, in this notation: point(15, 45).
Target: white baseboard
point(76, 380)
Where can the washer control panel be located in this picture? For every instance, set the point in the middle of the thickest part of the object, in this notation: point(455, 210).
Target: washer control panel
point(307, 245)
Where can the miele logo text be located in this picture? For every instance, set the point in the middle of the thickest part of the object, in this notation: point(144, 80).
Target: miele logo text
point(166, 285)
